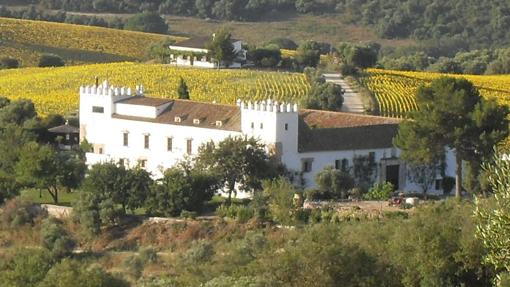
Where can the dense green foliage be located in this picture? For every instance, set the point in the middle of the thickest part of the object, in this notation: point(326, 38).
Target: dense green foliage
point(181, 189)
point(50, 60)
point(220, 47)
point(239, 163)
point(333, 183)
point(147, 22)
point(182, 90)
point(492, 214)
point(452, 113)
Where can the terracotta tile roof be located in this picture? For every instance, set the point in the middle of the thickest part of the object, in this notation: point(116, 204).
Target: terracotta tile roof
point(197, 42)
point(326, 119)
point(318, 130)
point(328, 131)
point(145, 101)
point(187, 110)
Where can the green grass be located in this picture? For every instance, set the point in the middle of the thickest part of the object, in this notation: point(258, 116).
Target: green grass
point(43, 197)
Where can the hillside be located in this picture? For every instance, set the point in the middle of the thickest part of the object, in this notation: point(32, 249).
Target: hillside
point(27, 40)
point(395, 90)
point(55, 90)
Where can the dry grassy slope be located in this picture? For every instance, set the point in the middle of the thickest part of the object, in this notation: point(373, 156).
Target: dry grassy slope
point(77, 44)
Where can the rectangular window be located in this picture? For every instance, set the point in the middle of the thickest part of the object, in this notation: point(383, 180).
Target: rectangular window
point(96, 109)
point(371, 156)
point(261, 125)
point(438, 184)
point(189, 146)
point(146, 141)
point(345, 164)
point(252, 125)
point(125, 139)
point(286, 127)
point(142, 163)
point(169, 144)
point(121, 162)
point(306, 165)
point(337, 164)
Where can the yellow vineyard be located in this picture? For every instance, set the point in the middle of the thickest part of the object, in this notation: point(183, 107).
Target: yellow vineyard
point(27, 40)
point(395, 90)
point(55, 90)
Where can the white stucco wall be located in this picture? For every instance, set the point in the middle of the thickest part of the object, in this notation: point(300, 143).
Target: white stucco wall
point(275, 124)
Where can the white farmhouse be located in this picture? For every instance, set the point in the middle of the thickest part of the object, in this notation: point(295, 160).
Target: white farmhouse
point(126, 127)
point(193, 52)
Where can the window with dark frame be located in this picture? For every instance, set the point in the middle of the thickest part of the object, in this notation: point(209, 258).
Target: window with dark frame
point(261, 125)
point(142, 163)
point(169, 144)
point(439, 183)
point(345, 164)
point(306, 166)
point(99, 110)
point(125, 138)
point(146, 141)
point(286, 127)
point(189, 145)
point(252, 125)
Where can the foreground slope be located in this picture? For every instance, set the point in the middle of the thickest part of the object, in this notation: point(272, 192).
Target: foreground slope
point(395, 90)
point(55, 90)
point(27, 40)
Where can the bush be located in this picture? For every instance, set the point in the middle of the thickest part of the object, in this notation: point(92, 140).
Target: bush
point(283, 43)
point(147, 22)
point(380, 191)
point(239, 212)
point(25, 267)
point(9, 63)
point(244, 213)
point(74, 273)
point(134, 265)
point(201, 252)
point(17, 212)
point(148, 255)
point(333, 183)
point(51, 60)
point(188, 214)
point(55, 238)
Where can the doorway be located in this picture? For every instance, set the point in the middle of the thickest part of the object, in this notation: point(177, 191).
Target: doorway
point(392, 175)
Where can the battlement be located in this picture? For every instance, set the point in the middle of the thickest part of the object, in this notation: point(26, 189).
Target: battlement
point(105, 89)
point(268, 106)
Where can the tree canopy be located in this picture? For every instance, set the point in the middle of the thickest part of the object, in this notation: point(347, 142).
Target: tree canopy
point(452, 114)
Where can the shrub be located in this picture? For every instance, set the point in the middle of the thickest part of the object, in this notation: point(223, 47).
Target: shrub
point(17, 212)
point(188, 214)
point(201, 252)
point(55, 238)
point(380, 191)
point(134, 265)
point(74, 273)
point(244, 213)
point(148, 255)
point(9, 63)
point(25, 267)
point(51, 60)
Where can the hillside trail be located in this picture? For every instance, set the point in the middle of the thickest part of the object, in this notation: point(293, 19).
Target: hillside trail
point(352, 99)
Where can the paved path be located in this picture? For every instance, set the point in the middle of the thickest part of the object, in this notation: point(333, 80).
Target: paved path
point(352, 100)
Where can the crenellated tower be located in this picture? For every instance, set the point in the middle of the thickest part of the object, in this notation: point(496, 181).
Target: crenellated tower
point(273, 123)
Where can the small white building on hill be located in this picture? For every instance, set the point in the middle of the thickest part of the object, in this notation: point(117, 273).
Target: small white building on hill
point(126, 127)
point(194, 53)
